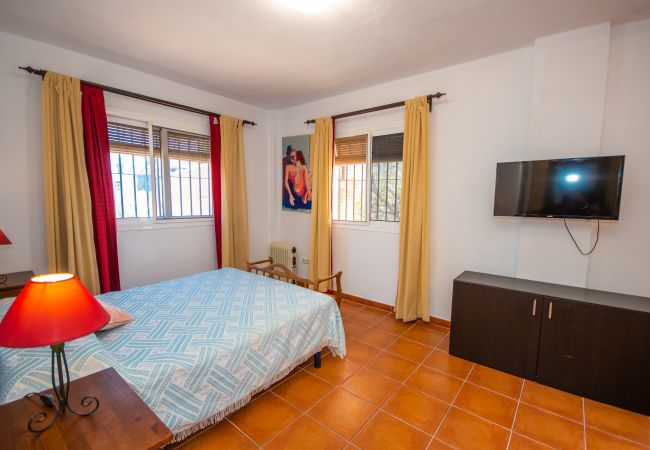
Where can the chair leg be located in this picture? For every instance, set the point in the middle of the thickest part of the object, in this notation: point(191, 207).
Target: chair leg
point(317, 362)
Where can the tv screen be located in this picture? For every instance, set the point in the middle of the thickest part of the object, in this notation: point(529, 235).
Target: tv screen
point(585, 188)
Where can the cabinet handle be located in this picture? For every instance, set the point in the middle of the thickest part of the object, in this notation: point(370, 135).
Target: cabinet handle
point(534, 307)
point(550, 310)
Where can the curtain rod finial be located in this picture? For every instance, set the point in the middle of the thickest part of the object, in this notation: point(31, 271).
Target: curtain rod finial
point(30, 69)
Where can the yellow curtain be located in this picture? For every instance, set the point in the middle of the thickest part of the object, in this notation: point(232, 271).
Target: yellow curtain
point(321, 142)
point(234, 209)
point(68, 217)
point(413, 280)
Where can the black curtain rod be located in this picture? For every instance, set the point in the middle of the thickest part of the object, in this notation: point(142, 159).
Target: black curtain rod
point(430, 98)
point(146, 98)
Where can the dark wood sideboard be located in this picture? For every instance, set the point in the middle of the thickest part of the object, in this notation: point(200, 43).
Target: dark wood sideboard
point(591, 343)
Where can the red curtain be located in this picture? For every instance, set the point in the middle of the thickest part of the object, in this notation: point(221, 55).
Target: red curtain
point(215, 169)
point(100, 180)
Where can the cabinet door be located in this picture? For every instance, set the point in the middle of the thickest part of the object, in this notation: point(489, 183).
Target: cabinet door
point(495, 327)
point(596, 351)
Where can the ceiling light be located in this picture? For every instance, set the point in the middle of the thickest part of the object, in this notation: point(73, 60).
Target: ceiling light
point(572, 177)
point(311, 7)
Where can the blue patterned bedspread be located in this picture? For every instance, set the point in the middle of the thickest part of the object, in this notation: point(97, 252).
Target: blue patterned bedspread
point(199, 347)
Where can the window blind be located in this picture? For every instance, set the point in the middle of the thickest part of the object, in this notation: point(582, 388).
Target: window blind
point(387, 148)
point(135, 140)
point(185, 146)
point(181, 142)
point(156, 138)
point(351, 150)
point(128, 138)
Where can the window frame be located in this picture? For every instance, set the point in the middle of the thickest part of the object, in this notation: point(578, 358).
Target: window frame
point(378, 226)
point(368, 185)
point(148, 121)
point(166, 175)
point(372, 161)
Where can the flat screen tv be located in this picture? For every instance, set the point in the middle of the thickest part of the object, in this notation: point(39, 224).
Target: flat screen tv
point(579, 188)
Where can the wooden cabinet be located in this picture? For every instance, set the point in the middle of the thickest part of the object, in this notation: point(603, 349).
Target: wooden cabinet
point(591, 343)
point(487, 321)
point(596, 351)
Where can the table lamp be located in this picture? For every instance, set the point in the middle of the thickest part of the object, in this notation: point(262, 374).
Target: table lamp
point(52, 310)
point(4, 240)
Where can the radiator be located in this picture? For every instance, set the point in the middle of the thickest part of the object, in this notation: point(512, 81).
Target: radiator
point(284, 253)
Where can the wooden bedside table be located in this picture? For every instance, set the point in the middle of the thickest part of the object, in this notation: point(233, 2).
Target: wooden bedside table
point(122, 421)
point(15, 282)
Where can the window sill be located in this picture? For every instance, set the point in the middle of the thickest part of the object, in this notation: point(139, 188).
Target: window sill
point(371, 226)
point(148, 224)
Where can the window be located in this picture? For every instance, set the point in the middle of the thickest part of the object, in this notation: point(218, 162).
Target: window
point(350, 179)
point(350, 189)
point(183, 187)
point(187, 179)
point(130, 166)
point(386, 175)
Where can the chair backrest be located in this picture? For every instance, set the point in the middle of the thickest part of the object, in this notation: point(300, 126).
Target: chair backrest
point(267, 268)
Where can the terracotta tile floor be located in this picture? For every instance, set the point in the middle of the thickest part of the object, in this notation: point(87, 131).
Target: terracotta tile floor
point(398, 388)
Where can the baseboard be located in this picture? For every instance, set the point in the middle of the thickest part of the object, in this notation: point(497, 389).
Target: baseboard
point(364, 301)
point(440, 322)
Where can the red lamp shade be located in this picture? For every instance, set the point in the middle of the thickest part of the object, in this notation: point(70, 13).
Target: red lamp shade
point(51, 309)
point(4, 240)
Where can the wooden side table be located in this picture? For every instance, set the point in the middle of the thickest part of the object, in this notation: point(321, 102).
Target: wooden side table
point(15, 282)
point(122, 421)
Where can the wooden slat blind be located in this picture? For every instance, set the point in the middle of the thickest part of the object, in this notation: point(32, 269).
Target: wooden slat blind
point(187, 146)
point(387, 148)
point(135, 141)
point(351, 150)
point(183, 142)
point(128, 139)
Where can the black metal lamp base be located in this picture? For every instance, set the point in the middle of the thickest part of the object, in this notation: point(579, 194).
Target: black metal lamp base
point(61, 392)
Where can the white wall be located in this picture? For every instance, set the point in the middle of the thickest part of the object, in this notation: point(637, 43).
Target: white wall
point(482, 120)
point(485, 119)
point(146, 254)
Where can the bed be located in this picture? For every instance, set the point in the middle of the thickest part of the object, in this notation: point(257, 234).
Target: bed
point(199, 347)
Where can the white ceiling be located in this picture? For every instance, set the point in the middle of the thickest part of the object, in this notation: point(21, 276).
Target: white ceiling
point(263, 53)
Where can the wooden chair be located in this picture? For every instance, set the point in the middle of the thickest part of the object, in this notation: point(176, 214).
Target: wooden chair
point(283, 273)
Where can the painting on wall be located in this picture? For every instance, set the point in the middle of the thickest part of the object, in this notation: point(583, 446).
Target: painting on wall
point(296, 174)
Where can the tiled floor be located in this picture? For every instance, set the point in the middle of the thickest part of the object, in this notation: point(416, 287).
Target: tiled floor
point(398, 388)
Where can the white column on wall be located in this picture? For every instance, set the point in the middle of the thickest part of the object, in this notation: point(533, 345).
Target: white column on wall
point(621, 261)
point(565, 120)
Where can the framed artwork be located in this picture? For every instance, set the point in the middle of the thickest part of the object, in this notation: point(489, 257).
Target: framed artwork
point(296, 174)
